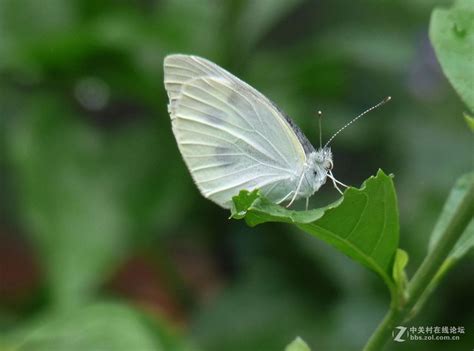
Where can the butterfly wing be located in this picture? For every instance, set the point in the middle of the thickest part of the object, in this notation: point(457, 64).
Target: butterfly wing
point(231, 137)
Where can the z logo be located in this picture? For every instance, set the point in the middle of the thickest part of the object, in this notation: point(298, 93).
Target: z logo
point(397, 336)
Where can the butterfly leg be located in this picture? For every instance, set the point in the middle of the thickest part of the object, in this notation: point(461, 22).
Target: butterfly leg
point(334, 182)
point(307, 203)
point(337, 188)
point(285, 198)
point(337, 181)
point(296, 192)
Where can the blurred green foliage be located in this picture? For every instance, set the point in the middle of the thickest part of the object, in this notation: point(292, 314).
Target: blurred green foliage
point(96, 328)
point(451, 32)
point(466, 242)
point(92, 185)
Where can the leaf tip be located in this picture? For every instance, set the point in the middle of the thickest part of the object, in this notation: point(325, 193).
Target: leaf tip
point(469, 121)
point(242, 202)
point(298, 345)
point(381, 173)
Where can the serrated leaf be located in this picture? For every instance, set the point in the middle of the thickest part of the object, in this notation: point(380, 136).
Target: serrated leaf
point(242, 202)
point(469, 121)
point(363, 224)
point(466, 241)
point(298, 345)
point(452, 36)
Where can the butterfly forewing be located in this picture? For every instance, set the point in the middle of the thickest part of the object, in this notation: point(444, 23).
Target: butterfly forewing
point(230, 136)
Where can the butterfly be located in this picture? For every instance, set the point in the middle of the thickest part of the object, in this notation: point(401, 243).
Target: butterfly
point(232, 137)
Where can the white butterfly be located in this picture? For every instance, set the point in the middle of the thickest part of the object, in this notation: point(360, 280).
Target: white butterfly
point(233, 138)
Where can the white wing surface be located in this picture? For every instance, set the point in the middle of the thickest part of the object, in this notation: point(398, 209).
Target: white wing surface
point(231, 137)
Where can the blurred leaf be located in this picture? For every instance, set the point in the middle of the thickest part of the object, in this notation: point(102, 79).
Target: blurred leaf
point(389, 50)
point(463, 245)
point(258, 17)
point(27, 23)
point(67, 200)
point(466, 241)
point(452, 36)
point(259, 298)
point(469, 121)
point(195, 32)
point(298, 345)
point(363, 225)
point(98, 327)
point(30, 20)
point(83, 194)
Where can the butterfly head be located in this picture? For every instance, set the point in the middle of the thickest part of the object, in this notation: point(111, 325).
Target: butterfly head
point(323, 158)
point(319, 165)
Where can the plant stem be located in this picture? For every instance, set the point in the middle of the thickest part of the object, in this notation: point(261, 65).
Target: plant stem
point(443, 247)
point(425, 273)
point(383, 331)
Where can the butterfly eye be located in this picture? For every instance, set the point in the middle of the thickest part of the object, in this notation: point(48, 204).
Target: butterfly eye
point(328, 165)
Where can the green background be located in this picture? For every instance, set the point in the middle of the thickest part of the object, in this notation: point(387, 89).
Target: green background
point(106, 244)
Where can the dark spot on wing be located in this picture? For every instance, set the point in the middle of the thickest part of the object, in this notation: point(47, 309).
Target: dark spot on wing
point(216, 119)
point(222, 154)
point(234, 97)
point(214, 115)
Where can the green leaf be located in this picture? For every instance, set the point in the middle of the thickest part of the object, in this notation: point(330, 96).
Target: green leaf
point(363, 224)
point(98, 327)
point(466, 242)
point(470, 121)
point(298, 345)
point(242, 202)
point(452, 36)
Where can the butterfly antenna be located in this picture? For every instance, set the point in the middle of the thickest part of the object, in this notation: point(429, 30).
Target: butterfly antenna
point(320, 117)
point(384, 101)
